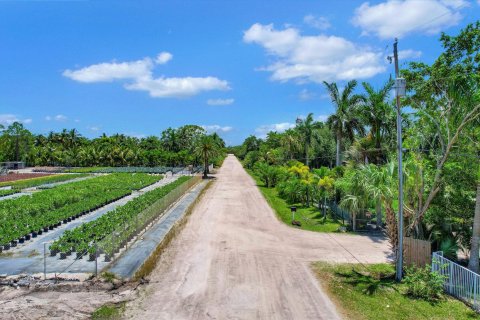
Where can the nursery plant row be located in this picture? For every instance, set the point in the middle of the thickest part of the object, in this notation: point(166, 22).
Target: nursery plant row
point(4, 193)
point(158, 170)
point(26, 217)
point(113, 230)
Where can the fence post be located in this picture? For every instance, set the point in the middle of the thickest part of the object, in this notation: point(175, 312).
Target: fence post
point(45, 261)
point(96, 260)
point(475, 291)
point(450, 278)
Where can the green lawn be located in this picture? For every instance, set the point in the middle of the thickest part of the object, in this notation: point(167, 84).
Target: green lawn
point(345, 288)
point(311, 218)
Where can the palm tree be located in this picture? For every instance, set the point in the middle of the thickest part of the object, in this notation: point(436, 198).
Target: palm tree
point(378, 114)
point(307, 128)
point(205, 149)
point(291, 142)
point(344, 122)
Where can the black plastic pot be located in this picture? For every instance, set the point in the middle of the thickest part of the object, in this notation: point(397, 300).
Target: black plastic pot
point(34, 234)
point(53, 253)
point(13, 243)
point(69, 219)
point(6, 246)
point(68, 253)
point(27, 237)
point(50, 227)
point(45, 229)
point(107, 258)
point(65, 220)
point(91, 257)
point(21, 240)
point(79, 256)
point(63, 255)
point(39, 232)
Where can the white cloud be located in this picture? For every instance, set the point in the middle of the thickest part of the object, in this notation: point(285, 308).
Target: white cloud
point(409, 54)
point(277, 127)
point(220, 102)
point(110, 71)
point(163, 57)
point(58, 117)
point(94, 128)
point(137, 75)
point(217, 128)
point(313, 58)
point(8, 119)
point(395, 18)
point(320, 23)
point(177, 87)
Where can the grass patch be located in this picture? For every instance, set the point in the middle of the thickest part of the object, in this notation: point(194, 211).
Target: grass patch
point(109, 311)
point(370, 292)
point(108, 276)
point(310, 217)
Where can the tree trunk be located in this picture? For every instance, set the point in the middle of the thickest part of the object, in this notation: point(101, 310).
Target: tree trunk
point(474, 250)
point(392, 229)
point(306, 155)
point(378, 210)
point(354, 221)
point(325, 208)
point(339, 155)
point(205, 169)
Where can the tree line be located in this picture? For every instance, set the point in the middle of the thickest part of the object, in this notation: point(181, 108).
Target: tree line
point(174, 147)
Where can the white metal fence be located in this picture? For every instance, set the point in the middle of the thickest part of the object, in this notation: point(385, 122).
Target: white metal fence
point(459, 281)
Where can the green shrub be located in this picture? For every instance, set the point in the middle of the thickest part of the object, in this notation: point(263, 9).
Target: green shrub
point(424, 284)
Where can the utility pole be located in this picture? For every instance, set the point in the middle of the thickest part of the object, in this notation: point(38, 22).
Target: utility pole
point(399, 91)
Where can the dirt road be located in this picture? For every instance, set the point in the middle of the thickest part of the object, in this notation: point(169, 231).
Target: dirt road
point(235, 260)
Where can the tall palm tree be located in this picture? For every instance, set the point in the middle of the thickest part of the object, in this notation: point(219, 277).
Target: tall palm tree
point(344, 122)
point(378, 114)
point(308, 130)
point(205, 149)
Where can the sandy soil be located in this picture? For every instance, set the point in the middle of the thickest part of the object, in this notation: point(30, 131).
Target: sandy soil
point(235, 260)
point(67, 301)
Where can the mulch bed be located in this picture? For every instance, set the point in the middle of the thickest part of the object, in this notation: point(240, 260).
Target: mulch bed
point(22, 176)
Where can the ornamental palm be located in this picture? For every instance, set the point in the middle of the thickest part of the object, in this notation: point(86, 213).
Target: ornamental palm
point(378, 114)
point(308, 131)
point(205, 149)
point(344, 122)
point(291, 142)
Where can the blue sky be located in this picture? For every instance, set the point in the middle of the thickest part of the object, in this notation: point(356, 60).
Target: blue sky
point(235, 67)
